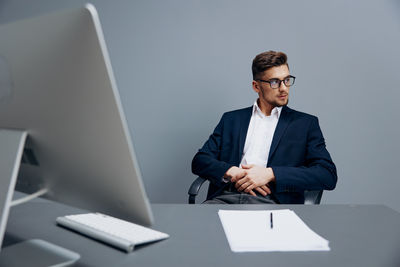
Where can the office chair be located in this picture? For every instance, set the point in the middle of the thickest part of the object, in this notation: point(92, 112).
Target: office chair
point(310, 197)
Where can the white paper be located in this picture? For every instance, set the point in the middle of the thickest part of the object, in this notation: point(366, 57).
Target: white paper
point(250, 230)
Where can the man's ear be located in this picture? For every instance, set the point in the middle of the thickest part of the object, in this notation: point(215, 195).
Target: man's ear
point(256, 86)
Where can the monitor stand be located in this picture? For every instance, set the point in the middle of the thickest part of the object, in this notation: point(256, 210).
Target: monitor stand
point(34, 252)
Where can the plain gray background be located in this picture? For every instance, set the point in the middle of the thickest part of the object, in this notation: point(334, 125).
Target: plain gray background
point(180, 64)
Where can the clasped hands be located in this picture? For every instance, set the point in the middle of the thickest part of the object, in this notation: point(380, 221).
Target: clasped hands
point(251, 177)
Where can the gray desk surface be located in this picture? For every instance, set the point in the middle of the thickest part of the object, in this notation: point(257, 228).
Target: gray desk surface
point(359, 235)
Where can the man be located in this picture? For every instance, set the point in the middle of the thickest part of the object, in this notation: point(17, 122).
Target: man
point(267, 153)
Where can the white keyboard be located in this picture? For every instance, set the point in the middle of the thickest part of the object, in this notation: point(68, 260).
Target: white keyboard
point(118, 233)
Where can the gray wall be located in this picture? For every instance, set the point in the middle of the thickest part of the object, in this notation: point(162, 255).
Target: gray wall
point(180, 64)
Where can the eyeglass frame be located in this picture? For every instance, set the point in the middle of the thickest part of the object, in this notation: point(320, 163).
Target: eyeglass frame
point(280, 81)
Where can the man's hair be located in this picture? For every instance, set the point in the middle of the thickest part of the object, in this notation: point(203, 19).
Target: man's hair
point(267, 60)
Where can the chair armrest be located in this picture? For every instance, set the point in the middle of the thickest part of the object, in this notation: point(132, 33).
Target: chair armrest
point(312, 197)
point(195, 188)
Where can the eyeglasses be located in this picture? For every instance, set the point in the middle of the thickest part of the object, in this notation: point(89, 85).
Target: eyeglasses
point(276, 83)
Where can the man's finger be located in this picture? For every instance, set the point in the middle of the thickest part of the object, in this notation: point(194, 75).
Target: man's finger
point(266, 189)
point(250, 187)
point(261, 191)
point(249, 179)
point(240, 182)
point(252, 193)
point(241, 175)
point(243, 186)
point(237, 178)
point(247, 166)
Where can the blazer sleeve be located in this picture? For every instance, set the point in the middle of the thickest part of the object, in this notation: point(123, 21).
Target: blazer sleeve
point(206, 163)
point(318, 172)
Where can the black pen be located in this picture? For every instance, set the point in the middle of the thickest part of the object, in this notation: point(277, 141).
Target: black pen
point(272, 222)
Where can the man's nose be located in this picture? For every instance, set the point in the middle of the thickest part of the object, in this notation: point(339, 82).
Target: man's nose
point(283, 87)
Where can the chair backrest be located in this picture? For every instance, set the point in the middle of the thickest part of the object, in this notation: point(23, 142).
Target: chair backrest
point(312, 197)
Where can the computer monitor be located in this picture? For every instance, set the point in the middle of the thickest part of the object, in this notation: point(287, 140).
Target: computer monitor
point(57, 84)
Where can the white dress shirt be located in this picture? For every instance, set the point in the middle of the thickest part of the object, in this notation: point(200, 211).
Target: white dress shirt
point(259, 136)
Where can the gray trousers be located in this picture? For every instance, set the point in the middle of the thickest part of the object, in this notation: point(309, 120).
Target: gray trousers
point(228, 197)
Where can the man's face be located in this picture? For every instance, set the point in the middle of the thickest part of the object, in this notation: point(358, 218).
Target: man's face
point(269, 97)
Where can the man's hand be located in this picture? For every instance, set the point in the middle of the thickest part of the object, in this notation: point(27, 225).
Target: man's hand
point(256, 177)
point(234, 173)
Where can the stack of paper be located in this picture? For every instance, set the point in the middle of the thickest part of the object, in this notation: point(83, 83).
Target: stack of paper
point(251, 231)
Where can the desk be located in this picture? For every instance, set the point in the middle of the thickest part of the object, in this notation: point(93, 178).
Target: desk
point(359, 235)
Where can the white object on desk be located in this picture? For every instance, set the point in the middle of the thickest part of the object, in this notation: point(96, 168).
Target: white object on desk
point(251, 231)
point(118, 233)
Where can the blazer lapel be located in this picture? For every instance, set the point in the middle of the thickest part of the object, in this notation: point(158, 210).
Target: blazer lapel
point(244, 126)
point(283, 123)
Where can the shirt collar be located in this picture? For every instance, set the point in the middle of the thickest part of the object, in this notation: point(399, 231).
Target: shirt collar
point(276, 111)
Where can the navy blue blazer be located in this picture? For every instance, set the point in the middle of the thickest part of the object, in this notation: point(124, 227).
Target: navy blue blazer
point(298, 155)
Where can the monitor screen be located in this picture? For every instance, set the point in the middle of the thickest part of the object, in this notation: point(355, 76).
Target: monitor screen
point(56, 83)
